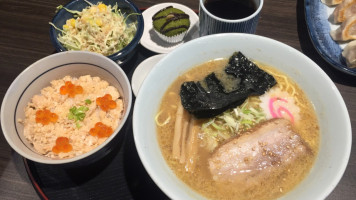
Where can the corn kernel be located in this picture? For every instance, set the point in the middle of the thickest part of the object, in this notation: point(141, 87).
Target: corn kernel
point(71, 22)
point(65, 26)
point(102, 7)
point(99, 22)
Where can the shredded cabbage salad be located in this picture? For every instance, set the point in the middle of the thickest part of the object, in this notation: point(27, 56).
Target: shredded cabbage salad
point(98, 28)
point(231, 123)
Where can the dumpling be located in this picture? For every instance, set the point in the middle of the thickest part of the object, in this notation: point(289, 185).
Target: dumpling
point(344, 11)
point(349, 54)
point(331, 2)
point(347, 30)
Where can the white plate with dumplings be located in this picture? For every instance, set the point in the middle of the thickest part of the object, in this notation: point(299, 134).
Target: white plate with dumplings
point(320, 23)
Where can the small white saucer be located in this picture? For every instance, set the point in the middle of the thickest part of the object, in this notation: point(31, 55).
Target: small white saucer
point(142, 70)
point(152, 42)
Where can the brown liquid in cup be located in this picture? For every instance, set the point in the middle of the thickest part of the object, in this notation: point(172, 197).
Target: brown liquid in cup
point(231, 9)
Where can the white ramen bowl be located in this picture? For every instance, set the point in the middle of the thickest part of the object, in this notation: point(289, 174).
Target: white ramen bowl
point(37, 76)
point(335, 127)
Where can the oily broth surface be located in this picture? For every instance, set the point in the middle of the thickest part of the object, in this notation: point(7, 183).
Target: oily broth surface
point(201, 180)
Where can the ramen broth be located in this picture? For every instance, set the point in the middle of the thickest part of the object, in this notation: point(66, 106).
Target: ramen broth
point(277, 184)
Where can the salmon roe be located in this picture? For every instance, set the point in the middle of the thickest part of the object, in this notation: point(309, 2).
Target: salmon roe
point(106, 102)
point(62, 145)
point(45, 117)
point(70, 89)
point(101, 130)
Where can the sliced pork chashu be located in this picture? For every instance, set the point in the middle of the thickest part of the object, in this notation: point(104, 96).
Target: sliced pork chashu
point(253, 156)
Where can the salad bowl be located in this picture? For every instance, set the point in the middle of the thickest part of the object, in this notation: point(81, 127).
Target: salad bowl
point(126, 8)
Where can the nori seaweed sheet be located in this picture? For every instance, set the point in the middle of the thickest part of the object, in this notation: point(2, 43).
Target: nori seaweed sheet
point(204, 103)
